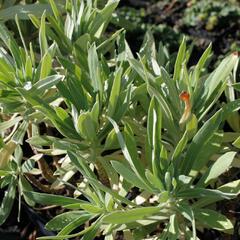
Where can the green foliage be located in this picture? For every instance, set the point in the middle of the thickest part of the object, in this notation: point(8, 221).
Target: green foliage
point(119, 122)
point(201, 21)
point(210, 13)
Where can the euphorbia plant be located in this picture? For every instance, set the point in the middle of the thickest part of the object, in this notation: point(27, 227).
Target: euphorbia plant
point(175, 178)
point(173, 187)
point(28, 86)
point(123, 125)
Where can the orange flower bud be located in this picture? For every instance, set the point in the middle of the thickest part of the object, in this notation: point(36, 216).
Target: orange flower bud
point(184, 96)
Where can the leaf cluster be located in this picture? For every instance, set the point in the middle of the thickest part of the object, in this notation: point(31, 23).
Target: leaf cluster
point(118, 121)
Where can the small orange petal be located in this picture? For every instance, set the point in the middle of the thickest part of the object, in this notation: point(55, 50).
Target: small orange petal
point(184, 96)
